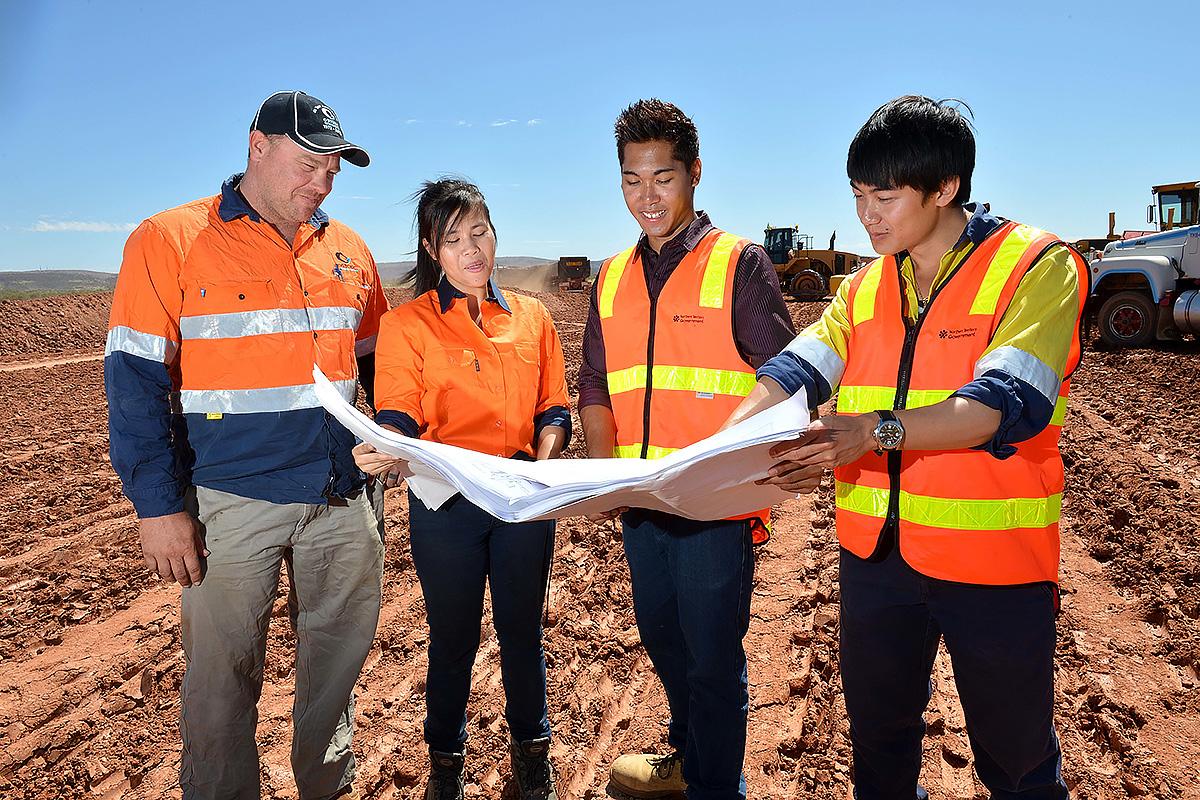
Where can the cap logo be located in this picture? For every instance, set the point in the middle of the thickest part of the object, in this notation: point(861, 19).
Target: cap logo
point(330, 121)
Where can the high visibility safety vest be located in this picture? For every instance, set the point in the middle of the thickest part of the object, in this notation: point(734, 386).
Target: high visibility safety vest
point(960, 515)
point(674, 371)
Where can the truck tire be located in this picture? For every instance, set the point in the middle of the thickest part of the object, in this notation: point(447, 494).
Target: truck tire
point(809, 284)
point(1128, 319)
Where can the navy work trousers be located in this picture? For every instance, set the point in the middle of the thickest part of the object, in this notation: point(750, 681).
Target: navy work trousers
point(1001, 645)
point(455, 550)
point(691, 595)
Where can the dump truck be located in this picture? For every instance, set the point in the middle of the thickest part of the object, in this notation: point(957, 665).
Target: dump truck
point(573, 272)
point(1146, 288)
point(806, 273)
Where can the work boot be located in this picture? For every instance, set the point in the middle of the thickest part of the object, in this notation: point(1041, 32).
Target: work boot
point(532, 768)
point(445, 776)
point(648, 775)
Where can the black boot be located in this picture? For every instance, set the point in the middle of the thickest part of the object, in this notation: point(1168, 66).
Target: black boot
point(532, 769)
point(445, 776)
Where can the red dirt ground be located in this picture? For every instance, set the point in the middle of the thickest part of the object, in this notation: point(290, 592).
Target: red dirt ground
point(90, 662)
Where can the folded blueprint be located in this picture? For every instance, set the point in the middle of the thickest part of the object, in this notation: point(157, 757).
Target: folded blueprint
point(711, 479)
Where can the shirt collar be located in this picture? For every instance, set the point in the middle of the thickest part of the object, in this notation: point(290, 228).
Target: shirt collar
point(687, 238)
point(233, 205)
point(447, 294)
point(981, 224)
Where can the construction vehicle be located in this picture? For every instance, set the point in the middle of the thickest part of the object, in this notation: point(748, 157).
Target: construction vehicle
point(805, 273)
point(573, 271)
point(1147, 287)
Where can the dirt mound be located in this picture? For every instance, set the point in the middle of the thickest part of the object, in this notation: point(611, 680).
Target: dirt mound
point(90, 663)
point(60, 325)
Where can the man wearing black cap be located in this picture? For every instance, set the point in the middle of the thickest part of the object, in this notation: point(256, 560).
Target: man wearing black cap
point(222, 308)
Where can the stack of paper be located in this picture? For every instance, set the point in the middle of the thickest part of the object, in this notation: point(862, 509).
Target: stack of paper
point(711, 479)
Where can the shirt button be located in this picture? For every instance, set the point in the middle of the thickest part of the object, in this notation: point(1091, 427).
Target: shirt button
point(499, 424)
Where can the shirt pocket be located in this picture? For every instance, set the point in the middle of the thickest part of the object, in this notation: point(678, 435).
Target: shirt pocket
point(225, 309)
point(526, 375)
point(452, 367)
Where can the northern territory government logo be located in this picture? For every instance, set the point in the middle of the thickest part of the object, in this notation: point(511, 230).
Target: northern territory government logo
point(957, 333)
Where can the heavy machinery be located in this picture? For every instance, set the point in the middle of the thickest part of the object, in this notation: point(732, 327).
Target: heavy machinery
point(1147, 288)
point(573, 271)
point(805, 273)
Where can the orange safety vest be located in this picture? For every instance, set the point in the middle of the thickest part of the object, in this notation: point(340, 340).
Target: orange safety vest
point(674, 371)
point(960, 515)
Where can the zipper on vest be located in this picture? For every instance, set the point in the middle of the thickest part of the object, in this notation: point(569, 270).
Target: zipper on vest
point(649, 375)
point(904, 377)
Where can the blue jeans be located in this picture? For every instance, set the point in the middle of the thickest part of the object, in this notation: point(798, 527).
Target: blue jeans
point(691, 595)
point(455, 550)
point(1001, 644)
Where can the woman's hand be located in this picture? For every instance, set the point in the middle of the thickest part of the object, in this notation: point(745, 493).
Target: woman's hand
point(389, 469)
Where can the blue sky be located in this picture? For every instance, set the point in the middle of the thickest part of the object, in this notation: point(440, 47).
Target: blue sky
point(116, 110)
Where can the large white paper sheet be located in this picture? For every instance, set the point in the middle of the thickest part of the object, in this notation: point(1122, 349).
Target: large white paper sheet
point(711, 479)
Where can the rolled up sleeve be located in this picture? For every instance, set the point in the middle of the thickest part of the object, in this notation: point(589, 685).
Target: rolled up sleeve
point(1023, 368)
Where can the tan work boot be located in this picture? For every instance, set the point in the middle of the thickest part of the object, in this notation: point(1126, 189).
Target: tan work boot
point(648, 775)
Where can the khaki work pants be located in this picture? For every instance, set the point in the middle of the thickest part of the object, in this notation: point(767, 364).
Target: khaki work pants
point(334, 556)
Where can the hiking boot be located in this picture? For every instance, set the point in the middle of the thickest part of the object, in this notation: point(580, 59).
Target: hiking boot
point(648, 775)
point(445, 776)
point(532, 768)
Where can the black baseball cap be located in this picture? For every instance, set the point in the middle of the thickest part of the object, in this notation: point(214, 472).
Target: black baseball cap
point(309, 123)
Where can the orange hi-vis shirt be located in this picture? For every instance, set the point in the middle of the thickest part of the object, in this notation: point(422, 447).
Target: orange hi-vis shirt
point(219, 320)
point(487, 390)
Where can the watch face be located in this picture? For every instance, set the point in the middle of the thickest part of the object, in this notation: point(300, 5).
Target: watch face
point(890, 434)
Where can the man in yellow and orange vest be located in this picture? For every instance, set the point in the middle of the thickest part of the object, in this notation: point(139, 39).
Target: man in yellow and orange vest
point(677, 326)
point(951, 356)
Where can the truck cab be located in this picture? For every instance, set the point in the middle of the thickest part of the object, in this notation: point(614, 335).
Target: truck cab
point(1147, 288)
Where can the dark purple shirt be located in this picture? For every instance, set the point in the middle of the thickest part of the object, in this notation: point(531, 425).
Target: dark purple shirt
point(761, 324)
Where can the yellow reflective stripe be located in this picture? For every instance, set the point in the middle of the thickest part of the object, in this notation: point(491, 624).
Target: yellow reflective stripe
point(1001, 267)
point(686, 379)
point(954, 514)
point(712, 285)
point(635, 451)
point(612, 279)
point(864, 399)
point(627, 380)
point(1060, 412)
point(864, 295)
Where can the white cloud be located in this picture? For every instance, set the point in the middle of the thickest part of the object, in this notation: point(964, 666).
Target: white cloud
point(500, 123)
point(534, 121)
point(462, 123)
point(412, 121)
point(76, 226)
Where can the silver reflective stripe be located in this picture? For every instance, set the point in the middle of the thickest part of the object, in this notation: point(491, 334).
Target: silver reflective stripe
point(269, 320)
point(821, 356)
point(364, 346)
point(258, 401)
point(144, 345)
point(1020, 364)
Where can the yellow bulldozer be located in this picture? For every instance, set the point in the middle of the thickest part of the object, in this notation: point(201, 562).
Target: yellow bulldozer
point(805, 273)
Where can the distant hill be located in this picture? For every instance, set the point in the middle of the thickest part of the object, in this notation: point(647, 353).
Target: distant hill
point(56, 281)
point(392, 272)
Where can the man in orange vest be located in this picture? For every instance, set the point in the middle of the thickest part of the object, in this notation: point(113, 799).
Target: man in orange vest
point(222, 307)
point(678, 323)
point(951, 356)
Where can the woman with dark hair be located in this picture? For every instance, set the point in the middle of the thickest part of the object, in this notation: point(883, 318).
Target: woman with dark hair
point(466, 364)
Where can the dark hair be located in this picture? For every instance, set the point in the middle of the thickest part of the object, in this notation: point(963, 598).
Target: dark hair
point(916, 142)
point(655, 120)
point(439, 203)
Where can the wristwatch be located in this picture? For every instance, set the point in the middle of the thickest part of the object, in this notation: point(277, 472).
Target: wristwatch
point(888, 434)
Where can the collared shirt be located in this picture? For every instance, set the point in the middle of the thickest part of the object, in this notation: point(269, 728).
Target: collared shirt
point(216, 323)
point(492, 389)
point(761, 323)
point(1040, 322)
